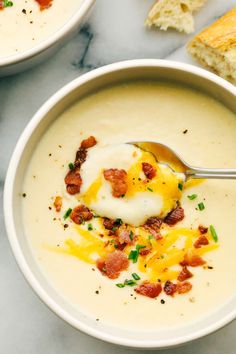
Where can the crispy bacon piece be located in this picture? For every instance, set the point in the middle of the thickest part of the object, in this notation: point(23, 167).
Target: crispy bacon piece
point(192, 260)
point(169, 288)
point(88, 143)
point(184, 274)
point(80, 157)
point(58, 203)
point(149, 289)
point(202, 229)
point(183, 288)
point(174, 216)
point(125, 235)
point(115, 263)
point(80, 214)
point(117, 178)
point(148, 170)
point(44, 4)
point(201, 241)
point(153, 226)
point(145, 251)
point(108, 223)
point(73, 181)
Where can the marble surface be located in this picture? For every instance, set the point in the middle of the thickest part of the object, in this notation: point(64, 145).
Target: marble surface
point(114, 32)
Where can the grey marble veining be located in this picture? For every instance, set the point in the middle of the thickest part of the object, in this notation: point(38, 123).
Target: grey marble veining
point(114, 32)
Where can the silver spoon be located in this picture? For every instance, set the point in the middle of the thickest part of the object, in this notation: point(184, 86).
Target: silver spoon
point(166, 155)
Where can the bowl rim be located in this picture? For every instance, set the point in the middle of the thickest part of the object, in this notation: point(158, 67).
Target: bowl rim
point(8, 210)
point(51, 40)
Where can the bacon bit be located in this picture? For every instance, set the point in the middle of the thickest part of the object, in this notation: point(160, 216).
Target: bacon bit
point(44, 4)
point(201, 241)
point(1, 5)
point(183, 288)
point(148, 170)
point(58, 203)
point(80, 214)
point(192, 260)
point(80, 157)
point(117, 178)
point(88, 143)
point(145, 251)
point(115, 263)
point(123, 233)
point(202, 229)
point(184, 274)
point(174, 216)
point(169, 288)
point(153, 225)
point(148, 289)
point(73, 181)
point(108, 223)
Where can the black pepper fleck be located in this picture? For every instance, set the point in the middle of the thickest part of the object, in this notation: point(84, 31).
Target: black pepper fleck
point(24, 195)
point(185, 131)
point(162, 301)
point(97, 292)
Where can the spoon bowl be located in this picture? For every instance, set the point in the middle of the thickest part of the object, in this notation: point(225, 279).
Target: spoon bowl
point(169, 157)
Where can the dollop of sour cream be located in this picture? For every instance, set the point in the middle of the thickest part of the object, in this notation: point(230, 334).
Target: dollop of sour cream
point(144, 198)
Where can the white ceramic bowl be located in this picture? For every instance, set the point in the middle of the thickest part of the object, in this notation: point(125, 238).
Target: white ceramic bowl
point(137, 69)
point(27, 59)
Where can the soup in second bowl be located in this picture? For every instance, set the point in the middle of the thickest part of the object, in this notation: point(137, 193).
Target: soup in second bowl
point(24, 24)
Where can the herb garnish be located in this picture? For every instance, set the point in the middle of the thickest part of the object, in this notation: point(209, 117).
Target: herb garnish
point(192, 196)
point(180, 186)
point(136, 276)
point(131, 235)
point(201, 206)
point(118, 222)
point(120, 285)
point(129, 282)
point(90, 227)
point(213, 233)
point(71, 166)
point(67, 213)
point(133, 256)
point(150, 189)
point(7, 3)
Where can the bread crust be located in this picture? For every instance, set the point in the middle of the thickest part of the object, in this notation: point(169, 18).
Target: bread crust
point(220, 35)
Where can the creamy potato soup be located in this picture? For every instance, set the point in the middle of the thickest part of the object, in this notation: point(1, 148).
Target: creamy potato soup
point(26, 23)
point(118, 233)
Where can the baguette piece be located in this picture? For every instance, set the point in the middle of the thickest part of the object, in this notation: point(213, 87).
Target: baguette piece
point(215, 47)
point(177, 14)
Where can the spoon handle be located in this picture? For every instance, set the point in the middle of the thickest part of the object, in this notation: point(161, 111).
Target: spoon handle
point(211, 173)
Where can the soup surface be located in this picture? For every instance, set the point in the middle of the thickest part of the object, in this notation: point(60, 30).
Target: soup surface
point(25, 24)
point(174, 269)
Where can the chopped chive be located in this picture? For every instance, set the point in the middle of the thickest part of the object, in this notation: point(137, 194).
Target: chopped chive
point(130, 282)
point(150, 237)
point(118, 221)
point(133, 256)
point(213, 233)
point(136, 276)
point(114, 228)
point(180, 186)
point(71, 166)
point(120, 285)
point(131, 235)
point(116, 246)
point(90, 227)
point(139, 247)
point(67, 213)
point(201, 206)
point(150, 189)
point(192, 196)
point(7, 3)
